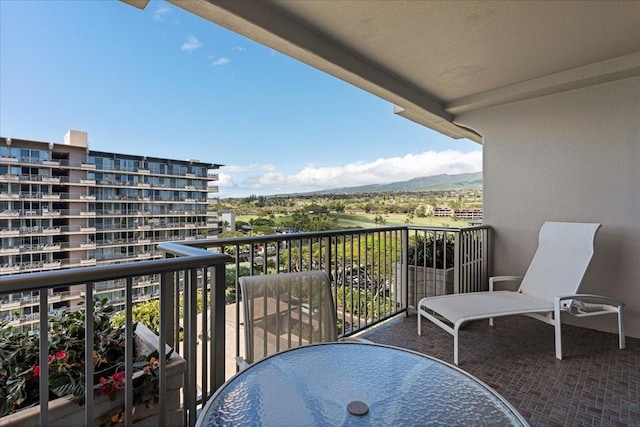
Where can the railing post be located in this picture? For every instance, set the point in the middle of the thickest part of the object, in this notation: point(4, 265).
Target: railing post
point(88, 355)
point(404, 269)
point(166, 331)
point(44, 355)
point(190, 284)
point(457, 261)
point(218, 325)
point(486, 256)
point(327, 256)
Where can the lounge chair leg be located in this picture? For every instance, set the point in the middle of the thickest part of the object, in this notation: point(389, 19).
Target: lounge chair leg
point(455, 344)
point(558, 340)
point(621, 327)
point(419, 323)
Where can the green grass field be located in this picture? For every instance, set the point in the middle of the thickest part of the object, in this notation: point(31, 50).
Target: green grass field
point(368, 220)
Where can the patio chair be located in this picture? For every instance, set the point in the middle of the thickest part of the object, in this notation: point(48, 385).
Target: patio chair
point(286, 310)
point(548, 288)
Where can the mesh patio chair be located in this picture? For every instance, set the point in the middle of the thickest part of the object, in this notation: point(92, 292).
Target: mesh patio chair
point(286, 310)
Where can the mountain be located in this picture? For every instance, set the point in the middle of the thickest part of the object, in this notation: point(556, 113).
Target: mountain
point(442, 182)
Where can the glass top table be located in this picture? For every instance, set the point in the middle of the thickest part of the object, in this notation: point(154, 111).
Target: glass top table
point(355, 384)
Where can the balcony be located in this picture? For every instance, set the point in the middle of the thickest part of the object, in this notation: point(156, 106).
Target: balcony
point(516, 357)
point(13, 250)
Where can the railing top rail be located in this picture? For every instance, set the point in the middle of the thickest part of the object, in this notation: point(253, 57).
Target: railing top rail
point(451, 229)
point(207, 243)
point(204, 243)
point(187, 258)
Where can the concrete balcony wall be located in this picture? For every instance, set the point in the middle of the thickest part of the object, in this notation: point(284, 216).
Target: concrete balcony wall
point(572, 156)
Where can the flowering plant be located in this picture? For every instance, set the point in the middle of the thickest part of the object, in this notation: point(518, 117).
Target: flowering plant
point(20, 372)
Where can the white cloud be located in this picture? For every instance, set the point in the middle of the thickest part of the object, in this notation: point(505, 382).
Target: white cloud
point(248, 168)
point(265, 179)
point(225, 180)
point(160, 12)
point(239, 48)
point(191, 44)
point(219, 61)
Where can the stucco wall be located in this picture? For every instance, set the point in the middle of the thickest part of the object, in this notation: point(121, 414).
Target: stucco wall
point(573, 156)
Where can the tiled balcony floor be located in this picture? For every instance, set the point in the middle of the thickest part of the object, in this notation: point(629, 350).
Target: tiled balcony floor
point(596, 384)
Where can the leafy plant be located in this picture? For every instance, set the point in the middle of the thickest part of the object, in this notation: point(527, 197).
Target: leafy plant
point(422, 249)
point(363, 303)
point(20, 372)
point(146, 312)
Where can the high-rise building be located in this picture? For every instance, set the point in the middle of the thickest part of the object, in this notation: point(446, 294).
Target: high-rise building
point(65, 206)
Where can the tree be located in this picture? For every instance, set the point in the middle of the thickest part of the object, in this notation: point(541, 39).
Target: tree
point(240, 224)
point(263, 221)
point(262, 230)
point(380, 220)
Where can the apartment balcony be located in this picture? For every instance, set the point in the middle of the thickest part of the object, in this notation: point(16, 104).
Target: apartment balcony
point(40, 248)
point(51, 179)
point(9, 268)
point(9, 196)
point(4, 159)
point(51, 230)
point(13, 250)
point(596, 384)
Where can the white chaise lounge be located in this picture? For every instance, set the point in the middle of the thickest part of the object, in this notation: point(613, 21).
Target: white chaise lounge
point(548, 288)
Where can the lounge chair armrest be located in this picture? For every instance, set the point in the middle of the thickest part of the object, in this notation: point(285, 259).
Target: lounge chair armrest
point(494, 279)
point(581, 305)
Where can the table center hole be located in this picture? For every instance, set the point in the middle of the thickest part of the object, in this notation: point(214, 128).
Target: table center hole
point(357, 408)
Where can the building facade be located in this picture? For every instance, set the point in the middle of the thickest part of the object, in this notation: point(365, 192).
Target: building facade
point(65, 206)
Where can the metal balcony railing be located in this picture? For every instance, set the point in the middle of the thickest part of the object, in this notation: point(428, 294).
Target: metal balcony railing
point(181, 274)
point(370, 271)
point(369, 263)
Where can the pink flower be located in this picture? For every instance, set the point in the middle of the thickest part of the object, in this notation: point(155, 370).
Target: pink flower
point(36, 371)
point(52, 359)
point(118, 377)
point(61, 354)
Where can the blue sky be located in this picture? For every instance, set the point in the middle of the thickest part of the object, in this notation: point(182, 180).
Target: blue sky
point(165, 83)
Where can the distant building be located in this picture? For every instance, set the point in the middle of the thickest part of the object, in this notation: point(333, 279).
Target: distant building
point(65, 206)
point(471, 214)
point(438, 211)
point(228, 220)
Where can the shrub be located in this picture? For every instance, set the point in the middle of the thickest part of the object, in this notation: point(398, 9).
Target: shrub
point(423, 247)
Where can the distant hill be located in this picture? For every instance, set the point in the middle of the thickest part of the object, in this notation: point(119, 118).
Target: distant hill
point(443, 182)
